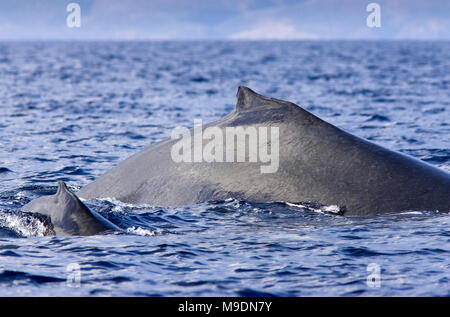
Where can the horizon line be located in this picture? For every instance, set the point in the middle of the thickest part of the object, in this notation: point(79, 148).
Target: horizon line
point(222, 40)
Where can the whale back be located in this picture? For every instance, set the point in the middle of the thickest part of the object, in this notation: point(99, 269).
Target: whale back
point(317, 162)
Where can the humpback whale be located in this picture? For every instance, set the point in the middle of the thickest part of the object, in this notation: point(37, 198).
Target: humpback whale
point(68, 214)
point(317, 162)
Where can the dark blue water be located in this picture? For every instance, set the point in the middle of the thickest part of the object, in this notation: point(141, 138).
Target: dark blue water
point(70, 111)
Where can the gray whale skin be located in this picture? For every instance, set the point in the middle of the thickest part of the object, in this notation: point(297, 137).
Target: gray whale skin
point(318, 162)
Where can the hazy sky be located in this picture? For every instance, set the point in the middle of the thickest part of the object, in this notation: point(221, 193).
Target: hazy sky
point(225, 19)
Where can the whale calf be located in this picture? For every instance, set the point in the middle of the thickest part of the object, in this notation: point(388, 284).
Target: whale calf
point(68, 214)
point(316, 162)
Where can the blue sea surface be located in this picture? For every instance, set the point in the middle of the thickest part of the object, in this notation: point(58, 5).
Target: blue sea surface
point(72, 110)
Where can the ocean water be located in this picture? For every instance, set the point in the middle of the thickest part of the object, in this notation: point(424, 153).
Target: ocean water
point(72, 110)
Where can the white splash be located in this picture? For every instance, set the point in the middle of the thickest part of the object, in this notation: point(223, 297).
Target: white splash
point(331, 209)
point(121, 204)
point(24, 225)
point(143, 232)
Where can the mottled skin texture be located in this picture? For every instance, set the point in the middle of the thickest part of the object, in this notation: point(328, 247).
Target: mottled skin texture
point(317, 162)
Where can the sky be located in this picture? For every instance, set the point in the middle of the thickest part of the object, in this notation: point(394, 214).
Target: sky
point(224, 19)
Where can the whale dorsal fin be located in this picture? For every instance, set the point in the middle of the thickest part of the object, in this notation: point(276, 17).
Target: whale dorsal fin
point(247, 99)
point(68, 199)
point(271, 109)
point(68, 214)
point(75, 215)
point(62, 189)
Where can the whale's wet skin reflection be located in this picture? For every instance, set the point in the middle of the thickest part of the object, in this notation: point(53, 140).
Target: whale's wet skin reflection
point(74, 123)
